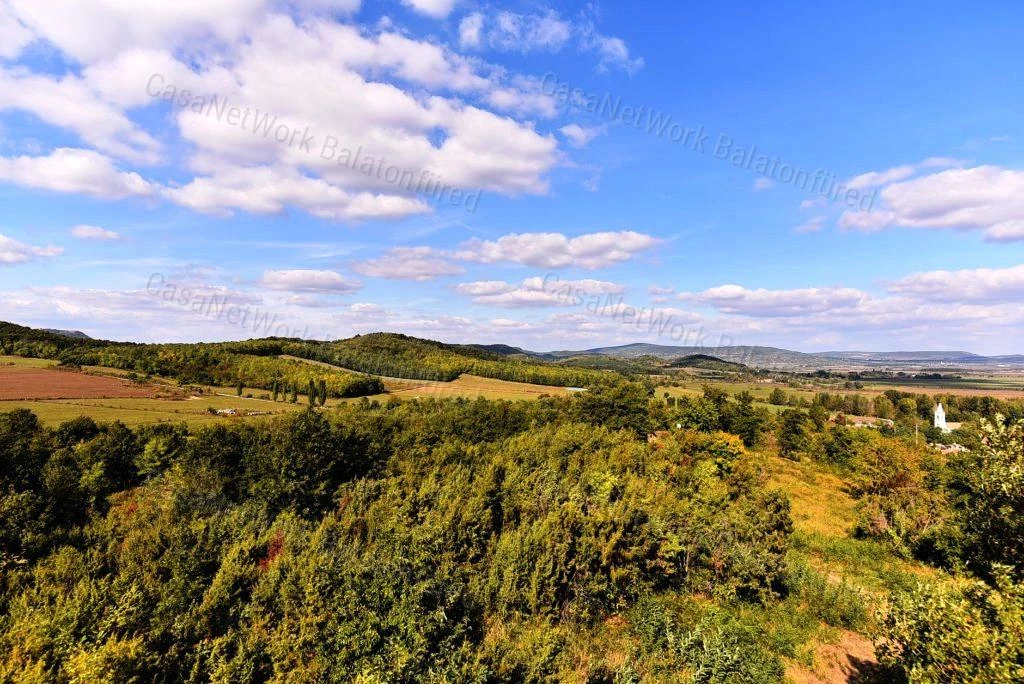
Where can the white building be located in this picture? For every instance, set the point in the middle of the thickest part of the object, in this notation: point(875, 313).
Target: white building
point(940, 419)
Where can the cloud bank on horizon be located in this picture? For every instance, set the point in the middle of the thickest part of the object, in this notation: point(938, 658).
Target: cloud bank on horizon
point(548, 176)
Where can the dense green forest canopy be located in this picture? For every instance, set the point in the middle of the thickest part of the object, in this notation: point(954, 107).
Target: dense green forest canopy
point(488, 541)
point(400, 356)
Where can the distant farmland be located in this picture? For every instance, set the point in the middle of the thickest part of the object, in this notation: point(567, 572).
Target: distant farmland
point(104, 395)
point(19, 382)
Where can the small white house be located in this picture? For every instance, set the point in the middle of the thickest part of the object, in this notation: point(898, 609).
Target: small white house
point(940, 419)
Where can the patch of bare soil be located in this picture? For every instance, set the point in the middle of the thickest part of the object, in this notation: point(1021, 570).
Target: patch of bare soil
point(850, 661)
point(41, 383)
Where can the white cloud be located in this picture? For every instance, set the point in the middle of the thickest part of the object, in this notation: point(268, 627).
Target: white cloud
point(438, 9)
point(87, 232)
point(441, 323)
point(735, 299)
point(536, 292)
point(763, 184)
point(898, 173)
point(545, 31)
point(529, 32)
point(580, 136)
point(875, 178)
point(812, 225)
point(423, 109)
point(985, 198)
point(70, 103)
point(555, 250)
point(297, 280)
point(409, 263)
point(979, 285)
point(13, 36)
point(265, 190)
point(15, 252)
point(91, 31)
point(470, 30)
point(74, 170)
point(614, 52)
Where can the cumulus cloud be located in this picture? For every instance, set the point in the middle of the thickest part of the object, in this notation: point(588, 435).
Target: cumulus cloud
point(985, 198)
point(555, 250)
point(409, 263)
point(266, 190)
point(429, 112)
point(69, 102)
point(89, 32)
point(74, 170)
point(924, 310)
point(535, 292)
point(87, 232)
point(978, 285)
point(735, 299)
point(297, 280)
point(15, 252)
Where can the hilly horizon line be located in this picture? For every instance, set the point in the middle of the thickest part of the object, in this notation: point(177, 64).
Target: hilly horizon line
point(935, 355)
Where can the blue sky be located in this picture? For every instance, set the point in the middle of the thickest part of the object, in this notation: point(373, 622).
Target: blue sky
point(129, 217)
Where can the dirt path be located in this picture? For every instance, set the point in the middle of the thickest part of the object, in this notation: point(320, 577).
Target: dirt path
point(851, 660)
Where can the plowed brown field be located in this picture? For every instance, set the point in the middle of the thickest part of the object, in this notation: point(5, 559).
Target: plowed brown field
point(42, 383)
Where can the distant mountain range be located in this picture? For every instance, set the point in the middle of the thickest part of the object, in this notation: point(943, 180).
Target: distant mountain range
point(774, 357)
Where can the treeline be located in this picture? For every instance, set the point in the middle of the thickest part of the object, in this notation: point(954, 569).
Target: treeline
point(895, 405)
point(212, 364)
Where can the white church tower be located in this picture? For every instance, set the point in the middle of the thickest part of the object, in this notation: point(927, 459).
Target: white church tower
point(940, 419)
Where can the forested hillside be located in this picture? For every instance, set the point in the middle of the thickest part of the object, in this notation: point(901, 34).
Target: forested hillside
point(400, 356)
point(254, 362)
point(488, 541)
point(189, 364)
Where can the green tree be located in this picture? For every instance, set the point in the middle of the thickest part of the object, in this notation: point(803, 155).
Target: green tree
point(819, 416)
point(793, 438)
